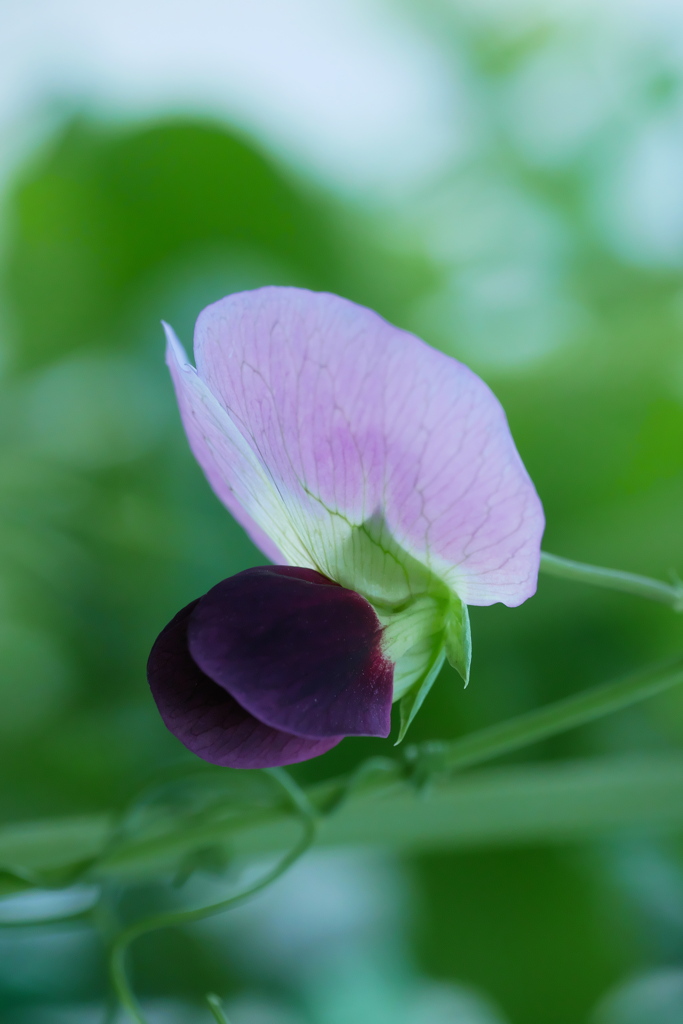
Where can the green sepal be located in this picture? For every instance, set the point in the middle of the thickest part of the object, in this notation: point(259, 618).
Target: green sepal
point(458, 639)
point(412, 701)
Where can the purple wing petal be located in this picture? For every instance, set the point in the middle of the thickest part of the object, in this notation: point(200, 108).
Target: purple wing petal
point(297, 651)
point(207, 719)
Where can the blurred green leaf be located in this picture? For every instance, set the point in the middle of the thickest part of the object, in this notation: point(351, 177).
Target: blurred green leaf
point(53, 844)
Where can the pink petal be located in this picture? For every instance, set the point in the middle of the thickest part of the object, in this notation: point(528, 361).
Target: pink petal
point(354, 421)
point(226, 467)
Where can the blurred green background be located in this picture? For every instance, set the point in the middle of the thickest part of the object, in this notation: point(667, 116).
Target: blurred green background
point(547, 253)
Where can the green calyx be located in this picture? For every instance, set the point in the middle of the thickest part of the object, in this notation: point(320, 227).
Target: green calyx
point(423, 620)
point(418, 639)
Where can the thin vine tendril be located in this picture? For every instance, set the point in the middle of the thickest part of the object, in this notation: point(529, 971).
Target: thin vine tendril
point(439, 758)
point(117, 962)
point(614, 579)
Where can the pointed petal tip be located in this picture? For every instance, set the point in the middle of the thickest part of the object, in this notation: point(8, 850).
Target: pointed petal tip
point(175, 351)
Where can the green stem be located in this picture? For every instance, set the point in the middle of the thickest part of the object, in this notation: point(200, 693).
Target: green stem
point(614, 579)
point(117, 963)
point(519, 732)
point(216, 1008)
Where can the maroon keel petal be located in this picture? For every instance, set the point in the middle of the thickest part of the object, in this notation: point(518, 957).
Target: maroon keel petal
point(296, 650)
point(207, 719)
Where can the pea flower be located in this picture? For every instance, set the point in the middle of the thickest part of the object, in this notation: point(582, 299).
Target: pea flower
point(380, 476)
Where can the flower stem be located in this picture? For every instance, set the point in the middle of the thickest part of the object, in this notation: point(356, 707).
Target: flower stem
point(614, 579)
point(522, 731)
point(117, 963)
point(216, 1008)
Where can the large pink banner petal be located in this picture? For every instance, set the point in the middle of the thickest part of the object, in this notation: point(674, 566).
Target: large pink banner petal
point(355, 421)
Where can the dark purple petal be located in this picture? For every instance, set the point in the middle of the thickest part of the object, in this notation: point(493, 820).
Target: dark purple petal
point(207, 719)
point(296, 650)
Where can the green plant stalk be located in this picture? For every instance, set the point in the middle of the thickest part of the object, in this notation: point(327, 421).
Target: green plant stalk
point(614, 579)
point(534, 726)
point(117, 962)
point(332, 795)
point(216, 1008)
